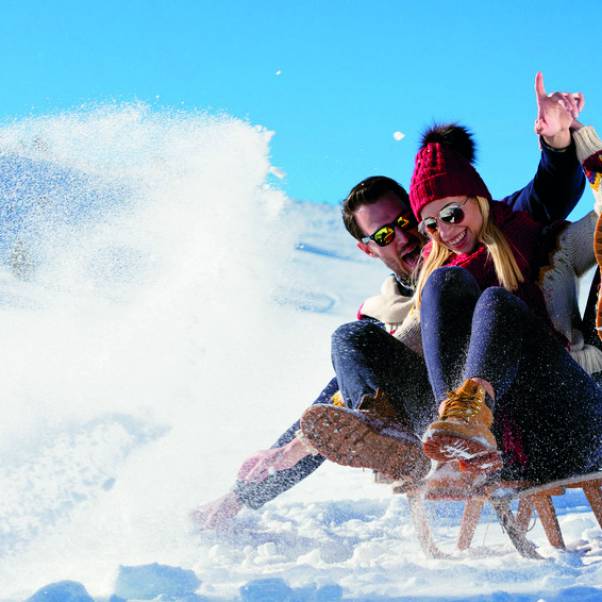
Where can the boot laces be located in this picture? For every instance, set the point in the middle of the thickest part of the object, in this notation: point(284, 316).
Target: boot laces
point(377, 405)
point(462, 405)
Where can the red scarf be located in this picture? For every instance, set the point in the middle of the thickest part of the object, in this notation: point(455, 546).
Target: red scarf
point(524, 236)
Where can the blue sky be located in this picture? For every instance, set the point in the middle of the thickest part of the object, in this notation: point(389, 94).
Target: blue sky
point(351, 73)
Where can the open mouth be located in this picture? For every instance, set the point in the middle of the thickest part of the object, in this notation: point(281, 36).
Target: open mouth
point(411, 257)
point(457, 242)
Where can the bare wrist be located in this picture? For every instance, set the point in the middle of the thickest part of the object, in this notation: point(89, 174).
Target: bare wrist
point(560, 140)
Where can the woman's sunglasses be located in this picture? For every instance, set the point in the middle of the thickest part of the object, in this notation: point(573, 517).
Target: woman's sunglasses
point(450, 214)
point(385, 235)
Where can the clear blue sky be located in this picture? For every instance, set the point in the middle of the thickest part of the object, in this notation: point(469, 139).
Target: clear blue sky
point(352, 73)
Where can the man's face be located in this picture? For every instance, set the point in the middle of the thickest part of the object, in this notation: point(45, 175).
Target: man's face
point(402, 254)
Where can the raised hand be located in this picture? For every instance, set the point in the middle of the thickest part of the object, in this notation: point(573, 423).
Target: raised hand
point(556, 113)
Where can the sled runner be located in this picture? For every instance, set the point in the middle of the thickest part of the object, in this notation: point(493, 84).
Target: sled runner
point(351, 438)
point(500, 494)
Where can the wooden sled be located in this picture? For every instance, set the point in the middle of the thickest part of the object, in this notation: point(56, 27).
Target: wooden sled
point(500, 494)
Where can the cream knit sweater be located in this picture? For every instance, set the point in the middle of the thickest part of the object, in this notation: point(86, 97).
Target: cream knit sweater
point(573, 256)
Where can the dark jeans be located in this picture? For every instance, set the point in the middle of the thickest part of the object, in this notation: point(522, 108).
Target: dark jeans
point(365, 357)
point(548, 411)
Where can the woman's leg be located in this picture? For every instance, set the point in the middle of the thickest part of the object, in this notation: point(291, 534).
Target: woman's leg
point(548, 411)
point(462, 430)
point(448, 301)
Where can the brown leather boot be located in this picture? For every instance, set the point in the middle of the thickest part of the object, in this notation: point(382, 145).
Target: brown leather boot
point(379, 406)
point(462, 431)
point(372, 437)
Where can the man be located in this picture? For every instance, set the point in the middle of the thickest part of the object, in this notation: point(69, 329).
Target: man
point(369, 359)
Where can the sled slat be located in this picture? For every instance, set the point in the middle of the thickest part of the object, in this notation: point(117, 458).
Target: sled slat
point(549, 521)
point(470, 520)
point(594, 497)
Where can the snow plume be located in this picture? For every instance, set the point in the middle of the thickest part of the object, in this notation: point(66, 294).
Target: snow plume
point(136, 302)
point(164, 313)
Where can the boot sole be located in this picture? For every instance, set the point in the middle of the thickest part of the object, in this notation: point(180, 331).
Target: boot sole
point(452, 482)
point(473, 455)
point(598, 256)
point(346, 437)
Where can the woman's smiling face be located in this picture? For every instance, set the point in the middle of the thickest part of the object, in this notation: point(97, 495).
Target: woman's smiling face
point(461, 234)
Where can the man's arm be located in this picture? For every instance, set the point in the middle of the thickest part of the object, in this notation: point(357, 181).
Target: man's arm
point(265, 475)
point(559, 181)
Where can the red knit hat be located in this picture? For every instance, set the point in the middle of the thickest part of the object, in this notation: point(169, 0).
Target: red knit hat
point(444, 167)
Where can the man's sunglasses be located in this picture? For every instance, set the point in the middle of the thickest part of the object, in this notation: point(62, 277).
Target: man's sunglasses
point(385, 235)
point(450, 214)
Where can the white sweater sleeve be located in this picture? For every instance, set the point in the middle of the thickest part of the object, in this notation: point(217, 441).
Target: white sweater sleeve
point(587, 143)
point(575, 244)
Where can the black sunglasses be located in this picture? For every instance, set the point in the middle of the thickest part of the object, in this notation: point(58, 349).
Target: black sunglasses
point(385, 235)
point(450, 214)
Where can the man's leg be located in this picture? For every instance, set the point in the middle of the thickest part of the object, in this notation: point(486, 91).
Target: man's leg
point(388, 400)
point(367, 358)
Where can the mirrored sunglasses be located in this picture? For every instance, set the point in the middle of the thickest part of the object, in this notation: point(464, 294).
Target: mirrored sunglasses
point(385, 235)
point(450, 214)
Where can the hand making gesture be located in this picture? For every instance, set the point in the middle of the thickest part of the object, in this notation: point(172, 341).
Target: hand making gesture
point(556, 113)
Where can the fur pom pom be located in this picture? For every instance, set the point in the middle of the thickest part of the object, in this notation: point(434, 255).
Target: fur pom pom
point(453, 135)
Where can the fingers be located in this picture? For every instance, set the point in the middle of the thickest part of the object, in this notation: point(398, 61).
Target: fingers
point(256, 474)
point(568, 104)
point(247, 467)
point(571, 104)
point(539, 87)
point(259, 472)
point(261, 469)
point(205, 517)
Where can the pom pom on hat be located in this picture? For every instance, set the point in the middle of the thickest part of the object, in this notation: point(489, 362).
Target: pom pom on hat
point(444, 167)
point(453, 135)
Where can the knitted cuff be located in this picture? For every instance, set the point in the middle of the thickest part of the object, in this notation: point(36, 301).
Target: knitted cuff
point(587, 142)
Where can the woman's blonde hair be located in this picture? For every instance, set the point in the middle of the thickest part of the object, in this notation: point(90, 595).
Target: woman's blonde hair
point(507, 270)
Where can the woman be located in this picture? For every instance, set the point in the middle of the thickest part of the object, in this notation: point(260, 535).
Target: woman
point(517, 384)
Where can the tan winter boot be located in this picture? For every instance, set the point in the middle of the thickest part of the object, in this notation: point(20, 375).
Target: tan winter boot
point(372, 437)
point(448, 481)
point(462, 431)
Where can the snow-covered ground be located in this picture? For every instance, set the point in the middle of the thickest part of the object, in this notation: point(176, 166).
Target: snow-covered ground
point(183, 324)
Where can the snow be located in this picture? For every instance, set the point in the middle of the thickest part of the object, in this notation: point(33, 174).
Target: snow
point(160, 339)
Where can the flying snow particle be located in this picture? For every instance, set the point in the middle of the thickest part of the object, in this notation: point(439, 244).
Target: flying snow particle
point(398, 135)
point(278, 71)
point(277, 172)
